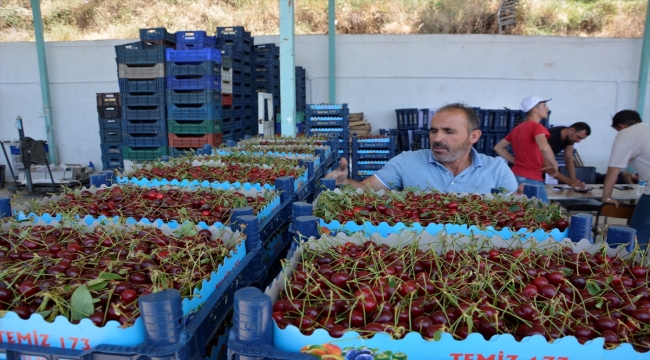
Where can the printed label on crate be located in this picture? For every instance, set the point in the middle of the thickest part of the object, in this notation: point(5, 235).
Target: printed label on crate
point(413, 346)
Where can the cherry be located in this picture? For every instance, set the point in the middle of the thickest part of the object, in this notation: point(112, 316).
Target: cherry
point(27, 289)
point(24, 312)
point(97, 318)
point(128, 296)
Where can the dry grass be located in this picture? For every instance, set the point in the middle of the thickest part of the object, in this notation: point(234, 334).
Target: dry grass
point(66, 20)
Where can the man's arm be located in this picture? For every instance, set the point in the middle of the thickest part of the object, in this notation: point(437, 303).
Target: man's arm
point(608, 186)
point(341, 177)
point(575, 183)
point(500, 148)
point(547, 152)
point(569, 162)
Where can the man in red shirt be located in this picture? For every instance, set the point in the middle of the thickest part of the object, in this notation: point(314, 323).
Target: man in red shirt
point(530, 144)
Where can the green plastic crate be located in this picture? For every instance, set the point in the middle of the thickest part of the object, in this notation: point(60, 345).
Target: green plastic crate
point(194, 127)
point(143, 153)
point(300, 117)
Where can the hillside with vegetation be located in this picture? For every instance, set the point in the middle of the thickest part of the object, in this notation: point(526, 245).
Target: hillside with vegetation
point(68, 20)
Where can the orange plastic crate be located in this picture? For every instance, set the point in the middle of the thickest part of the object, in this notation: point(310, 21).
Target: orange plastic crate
point(194, 141)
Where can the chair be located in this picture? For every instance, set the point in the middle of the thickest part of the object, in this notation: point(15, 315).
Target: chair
point(586, 174)
point(620, 212)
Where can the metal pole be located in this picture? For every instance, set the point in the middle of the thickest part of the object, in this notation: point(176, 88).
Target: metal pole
point(645, 66)
point(45, 80)
point(287, 69)
point(331, 15)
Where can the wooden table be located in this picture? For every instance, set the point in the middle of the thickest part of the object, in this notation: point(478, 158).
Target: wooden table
point(596, 193)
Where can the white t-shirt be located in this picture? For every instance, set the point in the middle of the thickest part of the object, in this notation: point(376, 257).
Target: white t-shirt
point(633, 144)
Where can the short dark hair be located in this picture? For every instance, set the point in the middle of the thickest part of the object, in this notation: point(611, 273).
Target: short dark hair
point(626, 117)
point(580, 126)
point(470, 114)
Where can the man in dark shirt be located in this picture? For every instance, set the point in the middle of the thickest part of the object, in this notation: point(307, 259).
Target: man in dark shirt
point(563, 138)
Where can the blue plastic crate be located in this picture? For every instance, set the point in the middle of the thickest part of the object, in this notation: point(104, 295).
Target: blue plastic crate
point(501, 120)
point(110, 136)
point(269, 69)
point(193, 96)
point(267, 48)
point(199, 330)
point(191, 40)
point(203, 112)
point(109, 112)
point(233, 33)
point(515, 117)
point(134, 86)
point(157, 34)
point(111, 150)
point(368, 165)
point(110, 124)
point(145, 139)
point(490, 141)
point(233, 134)
point(407, 119)
point(112, 163)
point(266, 79)
point(202, 83)
point(266, 59)
point(231, 123)
point(156, 126)
point(420, 140)
point(138, 53)
point(327, 109)
point(188, 71)
point(316, 121)
point(239, 56)
point(241, 77)
point(376, 155)
point(479, 146)
point(139, 99)
point(245, 89)
point(405, 138)
point(143, 112)
point(193, 56)
point(486, 119)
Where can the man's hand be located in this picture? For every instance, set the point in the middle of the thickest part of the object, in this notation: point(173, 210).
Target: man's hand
point(341, 173)
point(551, 168)
point(577, 184)
point(520, 190)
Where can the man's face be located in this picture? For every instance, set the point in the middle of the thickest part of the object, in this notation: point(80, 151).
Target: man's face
point(576, 136)
point(449, 135)
point(542, 110)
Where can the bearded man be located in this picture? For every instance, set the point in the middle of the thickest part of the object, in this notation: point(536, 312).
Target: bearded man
point(451, 165)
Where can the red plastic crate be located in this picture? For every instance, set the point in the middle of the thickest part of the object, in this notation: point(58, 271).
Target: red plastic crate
point(194, 141)
point(226, 99)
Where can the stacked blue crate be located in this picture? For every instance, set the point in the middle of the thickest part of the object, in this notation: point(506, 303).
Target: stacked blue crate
point(329, 120)
point(266, 64)
point(141, 73)
point(408, 120)
point(370, 153)
point(301, 89)
point(110, 130)
point(394, 135)
point(495, 124)
point(194, 107)
point(236, 45)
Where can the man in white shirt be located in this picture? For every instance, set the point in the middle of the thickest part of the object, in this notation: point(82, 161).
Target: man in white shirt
point(632, 144)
